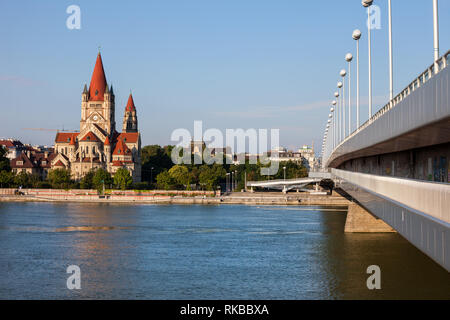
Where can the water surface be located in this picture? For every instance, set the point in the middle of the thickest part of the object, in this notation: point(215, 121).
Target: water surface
point(203, 252)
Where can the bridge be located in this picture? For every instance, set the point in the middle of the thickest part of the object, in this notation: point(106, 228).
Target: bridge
point(285, 185)
point(397, 164)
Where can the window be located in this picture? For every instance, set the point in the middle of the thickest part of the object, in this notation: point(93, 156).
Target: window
point(19, 163)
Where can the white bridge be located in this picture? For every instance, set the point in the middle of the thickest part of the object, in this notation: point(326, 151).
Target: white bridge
point(284, 185)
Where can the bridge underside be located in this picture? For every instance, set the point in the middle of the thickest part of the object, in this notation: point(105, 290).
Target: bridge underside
point(429, 234)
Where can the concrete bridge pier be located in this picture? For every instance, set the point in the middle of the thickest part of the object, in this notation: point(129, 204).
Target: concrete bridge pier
point(359, 220)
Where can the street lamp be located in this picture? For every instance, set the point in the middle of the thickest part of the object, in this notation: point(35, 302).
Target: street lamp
point(151, 174)
point(334, 123)
point(356, 36)
point(338, 117)
point(391, 61)
point(349, 58)
point(284, 168)
point(232, 185)
point(341, 136)
point(343, 73)
point(367, 4)
point(436, 35)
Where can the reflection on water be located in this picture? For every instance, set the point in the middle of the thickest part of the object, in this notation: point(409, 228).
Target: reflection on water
point(203, 252)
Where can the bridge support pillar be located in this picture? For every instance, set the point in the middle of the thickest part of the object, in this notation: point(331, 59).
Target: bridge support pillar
point(359, 220)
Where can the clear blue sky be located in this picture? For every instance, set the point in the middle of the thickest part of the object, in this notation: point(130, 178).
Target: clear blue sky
point(233, 64)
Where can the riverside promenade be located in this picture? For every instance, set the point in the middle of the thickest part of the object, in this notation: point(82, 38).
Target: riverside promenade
point(172, 197)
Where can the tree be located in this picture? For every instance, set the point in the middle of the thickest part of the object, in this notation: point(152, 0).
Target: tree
point(180, 175)
point(122, 179)
point(4, 162)
point(327, 184)
point(6, 179)
point(157, 158)
point(165, 181)
point(34, 180)
point(59, 178)
point(86, 181)
point(22, 179)
point(101, 178)
point(210, 177)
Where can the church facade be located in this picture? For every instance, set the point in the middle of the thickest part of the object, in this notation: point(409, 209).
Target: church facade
point(98, 144)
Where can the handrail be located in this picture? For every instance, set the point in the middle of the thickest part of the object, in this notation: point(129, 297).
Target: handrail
point(442, 63)
point(427, 197)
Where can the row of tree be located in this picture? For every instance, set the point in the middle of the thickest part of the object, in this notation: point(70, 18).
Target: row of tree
point(61, 178)
point(158, 171)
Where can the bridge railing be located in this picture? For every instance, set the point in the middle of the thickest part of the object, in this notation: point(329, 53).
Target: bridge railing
point(424, 77)
point(429, 198)
point(281, 181)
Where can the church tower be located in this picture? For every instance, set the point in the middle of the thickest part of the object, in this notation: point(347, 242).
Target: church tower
point(97, 105)
point(130, 123)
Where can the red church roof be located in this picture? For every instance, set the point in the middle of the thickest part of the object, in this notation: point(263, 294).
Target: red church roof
point(130, 104)
point(121, 149)
point(59, 164)
point(66, 137)
point(90, 137)
point(98, 81)
point(128, 137)
point(106, 143)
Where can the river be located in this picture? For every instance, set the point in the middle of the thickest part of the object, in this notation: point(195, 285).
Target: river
point(203, 252)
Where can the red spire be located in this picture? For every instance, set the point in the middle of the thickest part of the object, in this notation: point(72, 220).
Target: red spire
point(130, 105)
point(106, 143)
point(72, 140)
point(98, 81)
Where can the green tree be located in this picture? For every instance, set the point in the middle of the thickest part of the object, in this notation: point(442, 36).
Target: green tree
point(86, 181)
point(6, 179)
point(165, 181)
point(155, 157)
point(22, 179)
point(181, 175)
point(34, 180)
point(59, 178)
point(210, 177)
point(122, 179)
point(101, 177)
point(4, 162)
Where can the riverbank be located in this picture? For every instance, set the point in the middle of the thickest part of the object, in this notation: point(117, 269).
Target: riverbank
point(294, 199)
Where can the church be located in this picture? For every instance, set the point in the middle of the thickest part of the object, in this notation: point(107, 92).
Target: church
point(98, 144)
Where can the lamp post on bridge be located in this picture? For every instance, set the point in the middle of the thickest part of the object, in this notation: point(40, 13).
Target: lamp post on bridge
point(330, 116)
point(338, 119)
point(367, 4)
point(436, 35)
point(356, 36)
point(341, 136)
point(349, 58)
point(334, 123)
point(391, 56)
point(343, 73)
